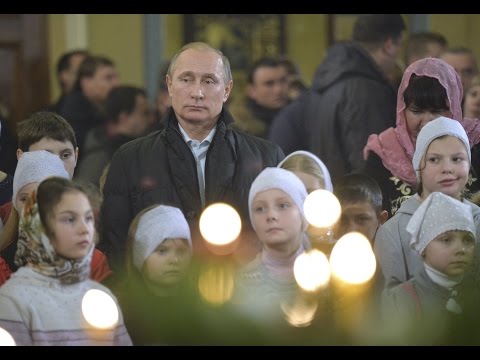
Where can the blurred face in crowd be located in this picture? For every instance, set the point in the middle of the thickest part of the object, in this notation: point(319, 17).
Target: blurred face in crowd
point(270, 87)
point(361, 217)
point(472, 102)
point(168, 264)
point(416, 118)
point(68, 76)
point(99, 85)
point(198, 88)
point(137, 122)
point(465, 65)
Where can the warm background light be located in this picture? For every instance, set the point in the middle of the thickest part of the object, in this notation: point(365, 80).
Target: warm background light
point(312, 270)
point(352, 259)
point(322, 208)
point(220, 224)
point(99, 309)
point(6, 339)
point(216, 284)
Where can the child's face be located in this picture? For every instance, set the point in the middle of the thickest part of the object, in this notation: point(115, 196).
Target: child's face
point(276, 218)
point(310, 181)
point(23, 194)
point(472, 102)
point(451, 252)
point(360, 217)
point(72, 226)
point(64, 150)
point(417, 118)
point(445, 167)
point(168, 264)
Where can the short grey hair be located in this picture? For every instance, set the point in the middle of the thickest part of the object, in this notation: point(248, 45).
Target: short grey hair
point(201, 46)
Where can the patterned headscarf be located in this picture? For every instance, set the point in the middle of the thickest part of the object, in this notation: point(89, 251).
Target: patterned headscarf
point(35, 249)
point(395, 146)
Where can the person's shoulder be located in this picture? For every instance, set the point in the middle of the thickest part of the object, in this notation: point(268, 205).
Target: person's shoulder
point(138, 144)
point(253, 140)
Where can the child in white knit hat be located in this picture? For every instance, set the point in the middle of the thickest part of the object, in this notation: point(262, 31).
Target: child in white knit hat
point(275, 203)
point(314, 175)
point(441, 161)
point(442, 233)
point(159, 252)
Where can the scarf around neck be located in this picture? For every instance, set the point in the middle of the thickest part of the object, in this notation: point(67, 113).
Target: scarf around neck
point(36, 251)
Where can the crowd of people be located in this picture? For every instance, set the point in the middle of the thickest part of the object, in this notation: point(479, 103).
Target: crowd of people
point(109, 196)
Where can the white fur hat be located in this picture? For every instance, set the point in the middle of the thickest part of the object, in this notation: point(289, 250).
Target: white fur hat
point(278, 178)
point(155, 226)
point(433, 130)
point(438, 214)
point(326, 174)
point(36, 166)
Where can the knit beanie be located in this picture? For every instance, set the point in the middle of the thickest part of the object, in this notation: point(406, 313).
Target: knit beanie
point(36, 166)
point(438, 214)
point(281, 179)
point(433, 130)
point(155, 226)
point(323, 167)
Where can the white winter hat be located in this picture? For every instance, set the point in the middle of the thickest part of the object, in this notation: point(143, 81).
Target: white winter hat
point(323, 168)
point(36, 166)
point(278, 178)
point(438, 214)
point(433, 130)
point(155, 226)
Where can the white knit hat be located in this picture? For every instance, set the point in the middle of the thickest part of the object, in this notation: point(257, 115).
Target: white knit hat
point(326, 174)
point(36, 166)
point(433, 130)
point(278, 178)
point(438, 214)
point(155, 226)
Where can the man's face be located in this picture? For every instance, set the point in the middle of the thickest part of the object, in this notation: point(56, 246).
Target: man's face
point(69, 76)
point(99, 85)
point(464, 65)
point(138, 120)
point(270, 87)
point(197, 87)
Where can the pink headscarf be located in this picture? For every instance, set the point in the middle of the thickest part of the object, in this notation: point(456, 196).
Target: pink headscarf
point(395, 146)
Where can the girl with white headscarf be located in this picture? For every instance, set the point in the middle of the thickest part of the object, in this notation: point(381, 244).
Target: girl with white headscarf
point(442, 232)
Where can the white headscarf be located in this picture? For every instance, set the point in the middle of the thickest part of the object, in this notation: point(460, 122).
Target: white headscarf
point(323, 168)
point(157, 225)
point(433, 130)
point(278, 178)
point(36, 166)
point(438, 214)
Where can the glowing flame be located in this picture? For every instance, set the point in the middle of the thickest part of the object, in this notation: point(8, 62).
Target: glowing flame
point(322, 208)
point(220, 224)
point(352, 259)
point(6, 339)
point(312, 270)
point(99, 309)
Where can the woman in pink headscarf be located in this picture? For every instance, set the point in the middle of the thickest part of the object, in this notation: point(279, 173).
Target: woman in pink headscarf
point(430, 88)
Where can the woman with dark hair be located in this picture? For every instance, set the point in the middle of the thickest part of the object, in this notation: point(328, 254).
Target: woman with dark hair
point(430, 88)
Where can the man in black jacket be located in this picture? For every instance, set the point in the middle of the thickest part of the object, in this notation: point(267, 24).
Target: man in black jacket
point(196, 160)
point(351, 97)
